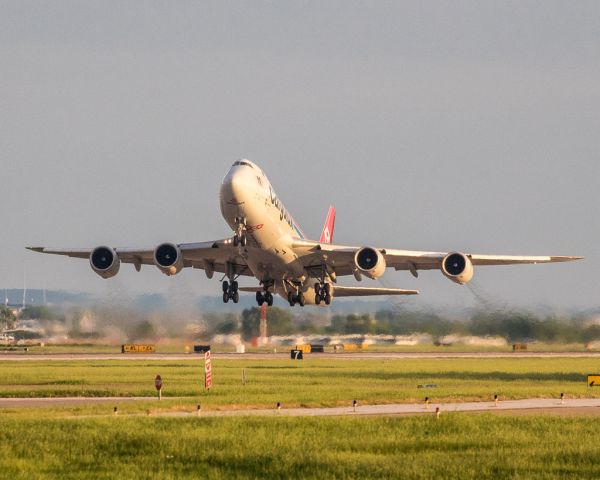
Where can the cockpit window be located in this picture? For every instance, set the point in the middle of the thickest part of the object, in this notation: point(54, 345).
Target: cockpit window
point(241, 162)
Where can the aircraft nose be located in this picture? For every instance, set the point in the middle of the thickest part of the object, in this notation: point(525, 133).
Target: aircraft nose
point(237, 183)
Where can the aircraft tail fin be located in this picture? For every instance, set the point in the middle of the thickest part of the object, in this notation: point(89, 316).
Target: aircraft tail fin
point(327, 233)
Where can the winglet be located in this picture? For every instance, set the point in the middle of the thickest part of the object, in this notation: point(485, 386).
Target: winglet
point(327, 233)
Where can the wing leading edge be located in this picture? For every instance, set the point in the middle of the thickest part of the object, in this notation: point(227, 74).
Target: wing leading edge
point(214, 256)
point(341, 258)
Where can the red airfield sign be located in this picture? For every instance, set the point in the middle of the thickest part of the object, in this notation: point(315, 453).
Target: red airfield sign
point(207, 370)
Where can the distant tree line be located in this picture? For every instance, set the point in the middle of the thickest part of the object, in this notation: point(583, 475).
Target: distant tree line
point(514, 326)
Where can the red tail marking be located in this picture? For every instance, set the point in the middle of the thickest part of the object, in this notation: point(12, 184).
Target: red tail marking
point(327, 233)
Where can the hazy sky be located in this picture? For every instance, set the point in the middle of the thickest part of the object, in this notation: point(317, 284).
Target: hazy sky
point(471, 126)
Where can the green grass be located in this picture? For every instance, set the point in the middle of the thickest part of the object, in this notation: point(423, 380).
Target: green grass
point(455, 446)
point(308, 383)
point(63, 442)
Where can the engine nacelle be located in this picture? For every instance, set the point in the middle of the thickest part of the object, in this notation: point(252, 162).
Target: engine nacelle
point(168, 258)
point(370, 262)
point(458, 268)
point(105, 261)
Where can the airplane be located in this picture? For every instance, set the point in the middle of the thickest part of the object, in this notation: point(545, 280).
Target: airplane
point(269, 245)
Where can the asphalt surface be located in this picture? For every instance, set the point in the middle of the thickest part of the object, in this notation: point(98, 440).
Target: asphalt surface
point(23, 357)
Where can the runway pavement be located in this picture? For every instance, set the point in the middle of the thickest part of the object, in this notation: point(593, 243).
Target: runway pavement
point(23, 357)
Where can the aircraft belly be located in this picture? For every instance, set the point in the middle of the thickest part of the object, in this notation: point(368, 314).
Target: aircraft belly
point(265, 265)
point(275, 264)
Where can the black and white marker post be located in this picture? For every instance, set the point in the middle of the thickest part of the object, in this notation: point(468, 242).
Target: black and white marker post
point(158, 385)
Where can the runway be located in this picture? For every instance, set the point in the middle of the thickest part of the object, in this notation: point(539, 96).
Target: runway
point(23, 357)
point(587, 406)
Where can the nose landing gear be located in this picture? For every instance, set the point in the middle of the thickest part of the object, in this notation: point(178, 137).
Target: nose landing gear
point(240, 237)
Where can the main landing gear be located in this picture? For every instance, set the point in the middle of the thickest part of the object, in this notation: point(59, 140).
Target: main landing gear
point(230, 291)
point(322, 293)
point(240, 237)
point(264, 297)
point(297, 298)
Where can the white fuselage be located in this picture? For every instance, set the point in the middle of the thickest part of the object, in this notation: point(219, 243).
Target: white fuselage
point(247, 193)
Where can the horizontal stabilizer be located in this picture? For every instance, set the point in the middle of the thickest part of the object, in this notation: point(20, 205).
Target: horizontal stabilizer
point(352, 291)
point(370, 291)
point(251, 289)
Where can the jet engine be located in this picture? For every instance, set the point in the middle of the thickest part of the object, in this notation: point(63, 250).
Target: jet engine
point(168, 258)
point(370, 262)
point(458, 268)
point(105, 262)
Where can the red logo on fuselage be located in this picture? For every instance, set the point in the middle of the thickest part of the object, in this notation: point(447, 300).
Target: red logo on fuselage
point(254, 228)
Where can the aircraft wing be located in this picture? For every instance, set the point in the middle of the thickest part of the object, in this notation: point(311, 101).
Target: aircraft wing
point(214, 256)
point(340, 258)
point(406, 260)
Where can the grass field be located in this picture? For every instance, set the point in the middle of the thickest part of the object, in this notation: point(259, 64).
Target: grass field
point(311, 382)
point(65, 442)
point(455, 446)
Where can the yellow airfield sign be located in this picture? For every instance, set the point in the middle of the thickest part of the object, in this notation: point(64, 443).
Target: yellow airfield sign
point(593, 380)
point(137, 348)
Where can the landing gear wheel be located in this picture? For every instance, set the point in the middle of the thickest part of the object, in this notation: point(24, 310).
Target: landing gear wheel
point(270, 300)
point(235, 296)
point(234, 286)
point(225, 297)
point(300, 299)
point(243, 240)
point(236, 240)
point(259, 298)
point(225, 286)
point(322, 293)
point(291, 299)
